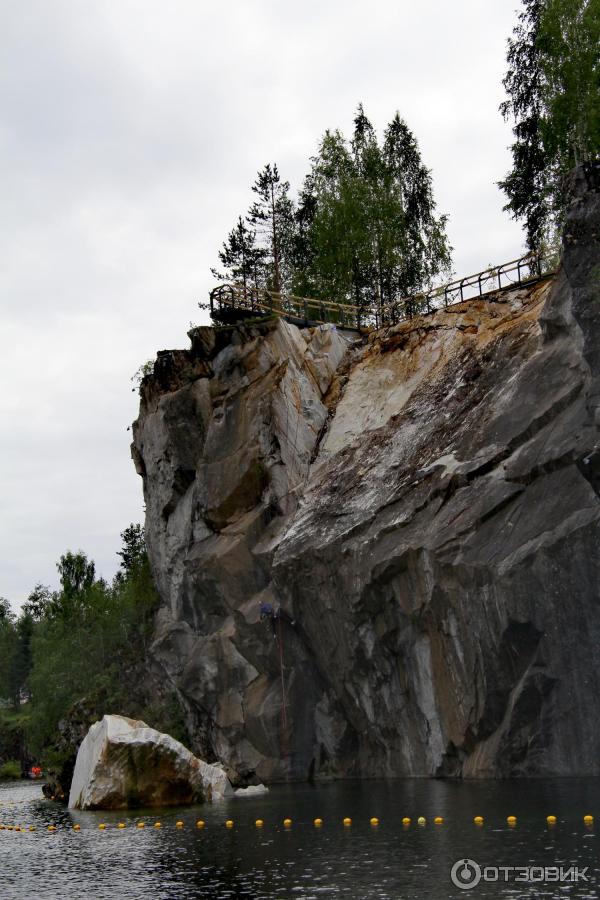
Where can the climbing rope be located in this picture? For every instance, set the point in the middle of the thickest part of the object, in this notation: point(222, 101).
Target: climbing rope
point(280, 645)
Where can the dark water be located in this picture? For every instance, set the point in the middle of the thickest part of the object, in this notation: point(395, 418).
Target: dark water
point(388, 861)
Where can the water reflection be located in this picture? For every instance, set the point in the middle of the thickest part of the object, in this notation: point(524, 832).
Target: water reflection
point(361, 861)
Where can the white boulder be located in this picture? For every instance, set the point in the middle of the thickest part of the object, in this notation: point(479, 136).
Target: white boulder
point(253, 790)
point(123, 763)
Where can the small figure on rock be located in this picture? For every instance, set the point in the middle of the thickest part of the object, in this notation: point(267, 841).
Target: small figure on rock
point(268, 611)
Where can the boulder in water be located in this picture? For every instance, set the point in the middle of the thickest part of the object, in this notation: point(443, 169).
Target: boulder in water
point(253, 790)
point(123, 763)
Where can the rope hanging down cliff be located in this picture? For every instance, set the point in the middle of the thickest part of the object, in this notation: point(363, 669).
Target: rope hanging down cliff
point(276, 618)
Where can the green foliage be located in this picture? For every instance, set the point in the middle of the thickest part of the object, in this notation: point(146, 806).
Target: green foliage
point(10, 769)
point(15, 654)
point(12, 726)
point(553, 87)
point(167, 716)
point(133, 550)
point(373, 236)
point(569, 52)
point(241, 258)
point(6, 613)
point(364, 230)
point(145, 369)
point(88, 639)
point(272, 214)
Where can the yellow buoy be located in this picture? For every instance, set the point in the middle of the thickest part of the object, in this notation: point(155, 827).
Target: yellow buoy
point(101, 827)
point(17, 827)
point(374, 821)
point(259, 823)
point(551, 820)
point(32, 827)
point(589, 820)
point(200, 823)
point(438, 820)
point(512, 820)
point(478, 820)
point(121, 825)
point(141, 824)
point(1, 827)
point(157, 825)
point(318, 822)
point(76, 827)
point(406, 820)
point(421, 820)
point(347, 821)
point(287, 823)
point(179, 824)
point(53, 827)
point(229, 823)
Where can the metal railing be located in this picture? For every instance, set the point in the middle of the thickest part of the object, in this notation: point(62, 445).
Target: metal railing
point(227, 299)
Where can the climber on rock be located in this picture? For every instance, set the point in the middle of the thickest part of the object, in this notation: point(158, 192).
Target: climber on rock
point(268, 611)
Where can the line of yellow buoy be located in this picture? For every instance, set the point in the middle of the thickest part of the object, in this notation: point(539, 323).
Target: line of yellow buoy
point(287, 823)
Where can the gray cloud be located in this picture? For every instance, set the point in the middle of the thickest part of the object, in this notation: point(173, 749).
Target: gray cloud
point(130, 133)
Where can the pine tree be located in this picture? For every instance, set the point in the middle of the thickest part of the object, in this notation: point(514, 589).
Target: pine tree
point(526, 185)
point(553, 87)
point(242, 259)
point(302, 246)
point(272, 214)
point(372, 194)
point(423, 249)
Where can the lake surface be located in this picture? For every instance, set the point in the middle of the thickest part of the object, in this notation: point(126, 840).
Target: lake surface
point(386, 862)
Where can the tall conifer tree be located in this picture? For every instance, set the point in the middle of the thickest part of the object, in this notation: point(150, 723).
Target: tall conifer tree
point(553, 87)
point(272, 214)
point(241, 258)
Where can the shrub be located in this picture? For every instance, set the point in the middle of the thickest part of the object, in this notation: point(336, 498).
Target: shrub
point(10, 769)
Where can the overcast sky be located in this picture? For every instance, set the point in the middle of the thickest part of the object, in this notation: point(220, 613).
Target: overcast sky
point(130, 133)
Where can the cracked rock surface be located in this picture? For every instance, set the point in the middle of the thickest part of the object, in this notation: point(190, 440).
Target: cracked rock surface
point(425, 505)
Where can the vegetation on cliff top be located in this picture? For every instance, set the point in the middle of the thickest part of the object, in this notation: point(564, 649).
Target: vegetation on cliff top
point(364, 228)
point(553, 87)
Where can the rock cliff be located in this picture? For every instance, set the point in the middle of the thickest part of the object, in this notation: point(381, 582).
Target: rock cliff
point(424, 503)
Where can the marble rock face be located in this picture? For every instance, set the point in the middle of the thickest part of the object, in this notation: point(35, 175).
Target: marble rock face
point(123, 763)
point(423, 502)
